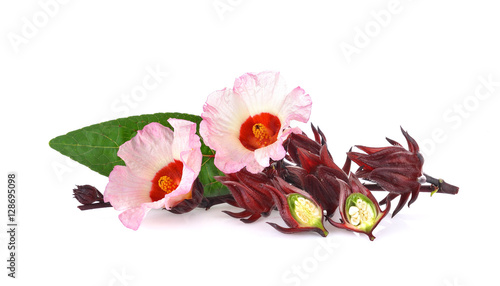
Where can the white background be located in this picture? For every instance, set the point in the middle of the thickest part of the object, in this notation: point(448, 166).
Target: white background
point(370, 67)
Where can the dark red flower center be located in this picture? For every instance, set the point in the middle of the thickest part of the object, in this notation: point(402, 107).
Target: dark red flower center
point(259, 131)
point(166, 180)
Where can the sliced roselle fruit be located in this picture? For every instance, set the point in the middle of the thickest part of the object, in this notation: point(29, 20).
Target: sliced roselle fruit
point(297, 209)
point(359, 209)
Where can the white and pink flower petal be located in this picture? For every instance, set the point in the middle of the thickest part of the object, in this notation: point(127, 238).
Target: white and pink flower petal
point(161, 166)
point(247, 126)
point(186, 144)
point(222, 115)
point(231, 156)
point(148, 151)
point(132, 218)
point(262, 92)
point(296, 106)
point(126, 190)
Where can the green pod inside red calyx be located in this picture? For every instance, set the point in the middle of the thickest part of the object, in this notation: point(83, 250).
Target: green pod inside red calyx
point(297, 209)
point(359, 209)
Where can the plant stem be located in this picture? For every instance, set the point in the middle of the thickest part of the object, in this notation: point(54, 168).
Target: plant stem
point(208, 202)
point(94, 206)
point(440, 185)
point(443, 187)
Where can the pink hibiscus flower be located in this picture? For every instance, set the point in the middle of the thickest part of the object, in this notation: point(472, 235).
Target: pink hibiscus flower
point(247, 125)
point(161, 166)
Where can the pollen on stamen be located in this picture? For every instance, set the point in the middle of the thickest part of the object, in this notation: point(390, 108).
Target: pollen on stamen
point(167, 184)
point(259, 131)
point(166, 180)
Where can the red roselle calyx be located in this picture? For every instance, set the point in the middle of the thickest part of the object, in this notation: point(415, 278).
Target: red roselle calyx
point(359, 209)
point(89, 197)
point(307, 187)
point(394, 168)
point(258, 194)
point(297, 209)
point(313, 169)
point(248, 193)
point(87, 194)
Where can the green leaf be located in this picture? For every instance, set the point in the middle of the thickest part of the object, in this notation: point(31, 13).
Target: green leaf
point(96, 146)
point(208, 170)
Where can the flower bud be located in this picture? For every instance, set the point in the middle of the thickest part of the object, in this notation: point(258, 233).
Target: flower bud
point(313, 170)
point(87, 194)
point(394, 168)
point(245, 187)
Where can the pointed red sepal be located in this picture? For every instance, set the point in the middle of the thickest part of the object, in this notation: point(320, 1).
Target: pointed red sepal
point(347, 165)
point(326, 195)
point(248, 194)
point(393, 168)
point(412, 144)
point(242, 214)
point(327, 160)
point(317, 137)
point(402, 201)
point(393, 142)
point(296, 141)
point(297, 230)
point(308, 161)
point(370, 150)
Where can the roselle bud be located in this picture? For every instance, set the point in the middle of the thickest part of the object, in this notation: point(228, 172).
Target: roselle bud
point(248, 193)
point(87, 194)
point(297, 209)
point(313, 169)
point(394, 168)
point(188, 205)
point(300, 141)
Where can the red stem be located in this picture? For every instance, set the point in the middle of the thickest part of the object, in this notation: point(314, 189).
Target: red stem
point(94, 206)
point(440, 185)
